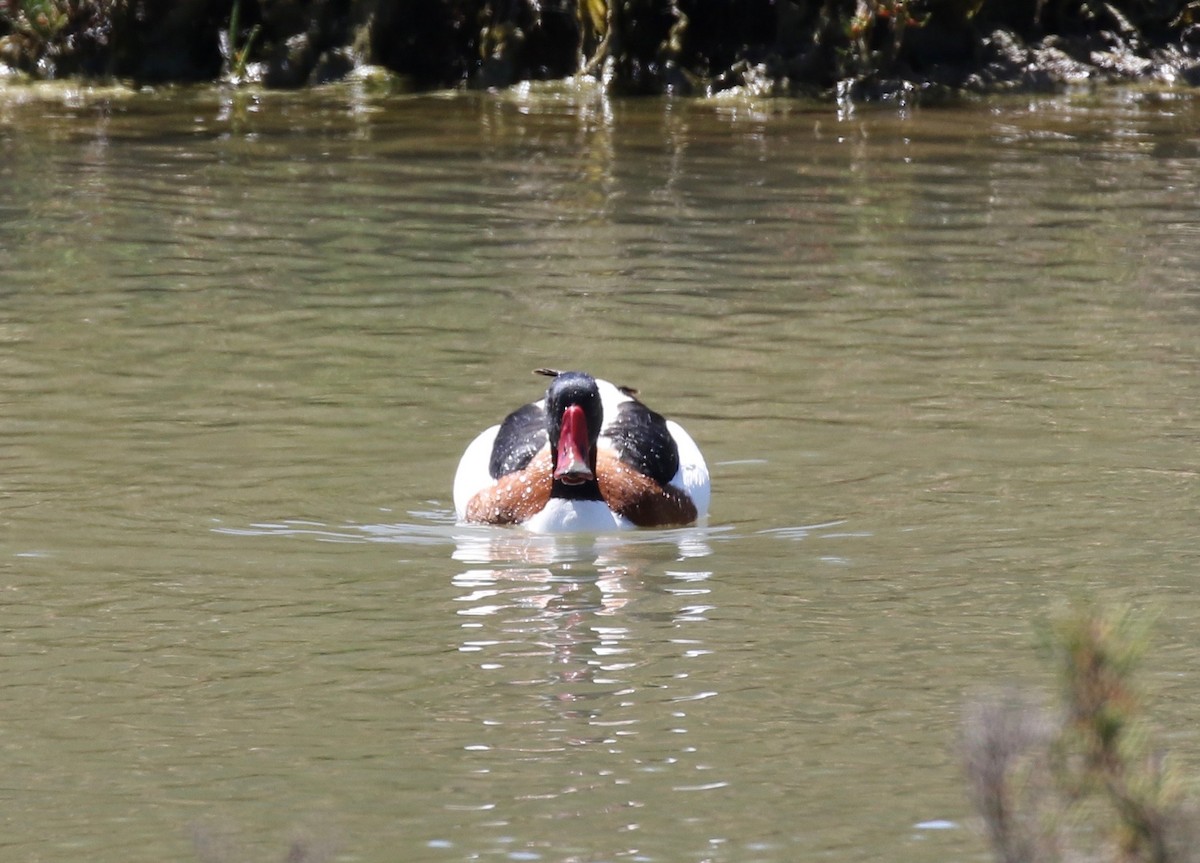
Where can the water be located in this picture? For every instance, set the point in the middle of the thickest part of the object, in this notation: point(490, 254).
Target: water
point(943, 365)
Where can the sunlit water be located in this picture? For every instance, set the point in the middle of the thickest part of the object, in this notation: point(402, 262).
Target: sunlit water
point(944, 364)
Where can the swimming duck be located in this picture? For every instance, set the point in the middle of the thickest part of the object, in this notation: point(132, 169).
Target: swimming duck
point(589, 456)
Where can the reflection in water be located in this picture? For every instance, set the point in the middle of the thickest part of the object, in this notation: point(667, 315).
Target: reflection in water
point(554, 588)
point(944, 363)
point(506, 545)
point(581, 624)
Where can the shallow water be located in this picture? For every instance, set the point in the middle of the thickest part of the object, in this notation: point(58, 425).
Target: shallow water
point(943, 364)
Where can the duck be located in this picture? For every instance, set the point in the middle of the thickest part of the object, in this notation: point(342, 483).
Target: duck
point(589, 456)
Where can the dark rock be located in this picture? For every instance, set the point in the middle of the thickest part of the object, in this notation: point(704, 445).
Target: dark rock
point(171, 41)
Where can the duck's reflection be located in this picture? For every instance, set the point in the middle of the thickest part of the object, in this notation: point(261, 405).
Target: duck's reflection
point(560, 613)
point(506, 546)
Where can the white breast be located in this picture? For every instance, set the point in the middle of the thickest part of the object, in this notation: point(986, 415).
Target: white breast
point(578, 516)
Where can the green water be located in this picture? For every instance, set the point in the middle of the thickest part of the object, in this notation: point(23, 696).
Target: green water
point(943, 365)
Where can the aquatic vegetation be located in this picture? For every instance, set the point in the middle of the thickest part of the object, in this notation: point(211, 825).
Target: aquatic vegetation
point(40, 18)
point(47, 37)
point(236, 45)
point(852, 48)
point(1081, 782)
point(595, 33)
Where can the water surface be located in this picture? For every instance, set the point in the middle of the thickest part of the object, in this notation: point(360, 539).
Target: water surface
point(943, 364)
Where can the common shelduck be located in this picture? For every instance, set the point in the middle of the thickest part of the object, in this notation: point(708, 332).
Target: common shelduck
point(587, 457)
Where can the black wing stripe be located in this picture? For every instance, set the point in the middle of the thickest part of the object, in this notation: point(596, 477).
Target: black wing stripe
point(644, 442)
point(521, 435)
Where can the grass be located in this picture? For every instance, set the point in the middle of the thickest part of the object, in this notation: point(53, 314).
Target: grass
point(1080, 782)
point(238, 49)
point(39, 19)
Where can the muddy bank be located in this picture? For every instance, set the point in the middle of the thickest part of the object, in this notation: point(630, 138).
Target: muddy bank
point(857, 48)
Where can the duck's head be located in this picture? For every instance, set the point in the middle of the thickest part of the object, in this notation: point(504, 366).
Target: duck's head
point(575, 414)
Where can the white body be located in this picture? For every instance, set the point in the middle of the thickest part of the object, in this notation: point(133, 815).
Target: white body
point(589, 516)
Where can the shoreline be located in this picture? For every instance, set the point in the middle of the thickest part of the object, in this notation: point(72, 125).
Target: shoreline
point(860, 50)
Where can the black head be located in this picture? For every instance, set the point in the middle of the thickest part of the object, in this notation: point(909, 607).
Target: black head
point(573, 405)
point(574, 388)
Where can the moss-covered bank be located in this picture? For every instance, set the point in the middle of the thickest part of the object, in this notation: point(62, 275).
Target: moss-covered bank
point(855, 47)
